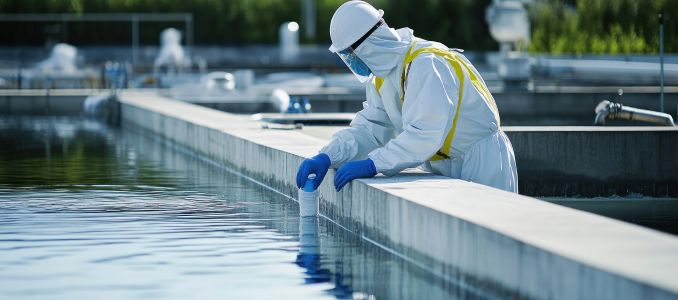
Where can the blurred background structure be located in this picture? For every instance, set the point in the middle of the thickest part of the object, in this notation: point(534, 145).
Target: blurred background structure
point(233, 34)
point(546, 62)
point(530, 52)
point(558, 26)
point(587, 90)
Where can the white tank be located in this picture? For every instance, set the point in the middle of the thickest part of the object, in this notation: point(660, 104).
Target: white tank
point(508, 21)
point(63, 58)
point(510, 26)
point(171, 53)
point(281, 100)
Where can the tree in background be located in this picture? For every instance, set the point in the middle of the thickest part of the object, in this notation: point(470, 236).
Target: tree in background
point(601, 26)
point(215, 21)
point(456, 23)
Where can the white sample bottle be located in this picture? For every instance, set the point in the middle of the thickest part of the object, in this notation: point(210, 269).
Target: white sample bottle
point(308, 198)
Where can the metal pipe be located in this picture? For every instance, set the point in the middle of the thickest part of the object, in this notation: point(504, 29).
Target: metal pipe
point(133, 18)
point(661, 61)
point(95, 17)
point(606, 110)
point(135, 40)
point(189, 34)
point(309, 18)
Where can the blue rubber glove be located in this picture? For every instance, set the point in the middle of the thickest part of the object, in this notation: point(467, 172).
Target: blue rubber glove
point(317, 165)
point(352, 170)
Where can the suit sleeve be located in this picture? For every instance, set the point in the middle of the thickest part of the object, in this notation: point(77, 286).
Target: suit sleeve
point(370, 129)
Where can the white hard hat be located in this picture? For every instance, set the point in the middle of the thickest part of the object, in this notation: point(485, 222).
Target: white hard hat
point(350, 22)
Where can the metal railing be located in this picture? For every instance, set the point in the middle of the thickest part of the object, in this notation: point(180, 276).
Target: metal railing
point(133, 18)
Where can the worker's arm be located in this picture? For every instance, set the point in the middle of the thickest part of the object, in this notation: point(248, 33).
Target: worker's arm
point(370, 129)
point(429, 104)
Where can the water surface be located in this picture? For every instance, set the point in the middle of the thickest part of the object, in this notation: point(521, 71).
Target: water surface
point(87, 211)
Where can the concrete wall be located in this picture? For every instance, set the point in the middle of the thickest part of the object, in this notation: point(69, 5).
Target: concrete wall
point(43, 102)
point(574, 105)
point(596, 161)
point(586, 161)
point(456, 229)
point(545, 106)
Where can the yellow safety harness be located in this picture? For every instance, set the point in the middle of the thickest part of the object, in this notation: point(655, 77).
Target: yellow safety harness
point(458, 64)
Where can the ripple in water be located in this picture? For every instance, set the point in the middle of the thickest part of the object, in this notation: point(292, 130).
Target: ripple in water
point(92, 212)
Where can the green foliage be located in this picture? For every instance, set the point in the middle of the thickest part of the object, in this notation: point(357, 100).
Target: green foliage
point(601, 26)
point(215, 21)
point(456, 23)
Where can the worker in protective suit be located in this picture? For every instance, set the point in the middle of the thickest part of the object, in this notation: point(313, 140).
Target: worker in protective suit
point(426, 106)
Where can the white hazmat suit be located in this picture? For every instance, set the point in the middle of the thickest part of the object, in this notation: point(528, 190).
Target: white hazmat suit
point(397, 135)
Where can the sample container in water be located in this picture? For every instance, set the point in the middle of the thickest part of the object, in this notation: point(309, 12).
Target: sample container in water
point(308, 198)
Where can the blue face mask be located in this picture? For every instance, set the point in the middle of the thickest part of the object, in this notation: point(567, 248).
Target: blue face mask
point(357, 65)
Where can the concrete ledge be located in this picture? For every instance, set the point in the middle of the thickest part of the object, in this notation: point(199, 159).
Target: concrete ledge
point(575, 104)
point(43, 102)
point(524, 246)
point(587, 161)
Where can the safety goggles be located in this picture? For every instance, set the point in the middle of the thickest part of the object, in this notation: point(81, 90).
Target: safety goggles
point(354, 63)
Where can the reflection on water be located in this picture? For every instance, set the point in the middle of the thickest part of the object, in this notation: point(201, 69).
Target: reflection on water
point(86, 211)
point(309, 251)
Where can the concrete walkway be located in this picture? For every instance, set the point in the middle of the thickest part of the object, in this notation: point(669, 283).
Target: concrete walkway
point(459, 230)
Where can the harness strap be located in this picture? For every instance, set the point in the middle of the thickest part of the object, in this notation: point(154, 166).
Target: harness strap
point(378, 82)
point(444, 151)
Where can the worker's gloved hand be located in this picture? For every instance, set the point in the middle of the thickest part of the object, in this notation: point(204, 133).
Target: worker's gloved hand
point(352, 170)
point(317, 165)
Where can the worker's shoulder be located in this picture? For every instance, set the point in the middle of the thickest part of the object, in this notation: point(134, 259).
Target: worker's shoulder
point(429, 60)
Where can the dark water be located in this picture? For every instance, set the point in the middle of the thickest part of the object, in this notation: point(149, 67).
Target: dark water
point(654, 213)
point(88, 212)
